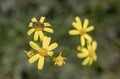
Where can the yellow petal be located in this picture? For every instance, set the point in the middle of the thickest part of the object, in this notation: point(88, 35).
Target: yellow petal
point(34, 19)
point(94, 57)
point(76, 26)
point(89, 39)
point(36, 36)
point(47, 24)
point(82, 49)
point(41, 35)
point(30, 24)
point(79, 48)
point(82, 39)
point(86, 61)
point(52, 46)
point(33, 58)
point(85, 24)
point(41, 62)
point(46, 42)
point(42, 19)
point(78, 20)
point(85, 51)
point(50, 53)
point(34, 45)
point(91, 61)
point(89, 47)
point(94, 45)
point(30, 31)
point(90, 29)
point(48, 30)
point(82, 55)
point(74, 32)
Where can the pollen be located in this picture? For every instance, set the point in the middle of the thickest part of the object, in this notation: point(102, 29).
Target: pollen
point(43, 52)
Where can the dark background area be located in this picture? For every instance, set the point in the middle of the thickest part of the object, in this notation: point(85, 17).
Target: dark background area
point(15, 16)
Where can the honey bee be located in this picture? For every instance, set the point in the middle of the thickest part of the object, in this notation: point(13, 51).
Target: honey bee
point(38, 25)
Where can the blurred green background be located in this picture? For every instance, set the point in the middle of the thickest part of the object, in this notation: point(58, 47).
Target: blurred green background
point(103, 14)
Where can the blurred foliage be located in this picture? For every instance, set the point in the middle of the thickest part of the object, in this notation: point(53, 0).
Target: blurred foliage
point(103, 14)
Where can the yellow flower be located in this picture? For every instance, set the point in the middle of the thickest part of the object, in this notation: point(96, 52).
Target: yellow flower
point(42, 52)
point(37, 27)
point(59, 60)
point(88, 53)
point(29, 53)
point(81, 30)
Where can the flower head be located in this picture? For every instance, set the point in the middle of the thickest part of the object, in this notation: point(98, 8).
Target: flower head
point(81, 30)
point(88, 53)
point(43, 51)
point(38, 27)
point(29, 53)
point(59, 60)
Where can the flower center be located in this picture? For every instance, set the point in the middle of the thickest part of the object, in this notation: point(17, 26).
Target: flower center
point(91, 53)
point(59, 61)
point(82, 31)
point(43, 51)
point(38, 25)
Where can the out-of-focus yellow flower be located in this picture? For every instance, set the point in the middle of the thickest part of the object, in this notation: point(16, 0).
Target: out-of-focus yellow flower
point(38, 26)
point(88, 53)
point(59, 60)
point(29, 53)
point(81, 30)
point(42, 52)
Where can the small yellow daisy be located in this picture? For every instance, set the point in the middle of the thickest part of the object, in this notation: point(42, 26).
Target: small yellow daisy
point(42, 52)
point(81, 30)
point(38, 26)
point(59, 60)
point(29, 53)
point(88, 53)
